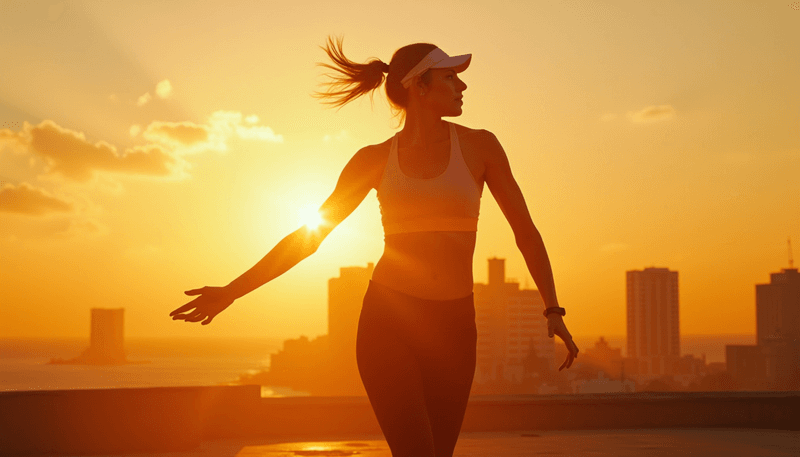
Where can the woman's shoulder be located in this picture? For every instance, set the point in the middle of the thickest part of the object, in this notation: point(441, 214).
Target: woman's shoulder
point(481, 135)
point(480, 139)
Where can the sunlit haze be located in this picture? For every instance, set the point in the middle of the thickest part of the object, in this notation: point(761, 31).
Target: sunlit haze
point(148, 148)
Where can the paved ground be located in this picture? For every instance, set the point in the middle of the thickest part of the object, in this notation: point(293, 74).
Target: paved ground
point(618, 443)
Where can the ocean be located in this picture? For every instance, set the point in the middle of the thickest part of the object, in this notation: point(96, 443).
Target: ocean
point(171, 363)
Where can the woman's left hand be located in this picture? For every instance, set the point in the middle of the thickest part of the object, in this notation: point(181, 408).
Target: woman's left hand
point(556, 326)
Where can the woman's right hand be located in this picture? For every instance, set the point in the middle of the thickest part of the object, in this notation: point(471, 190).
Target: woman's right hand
point(212, 301)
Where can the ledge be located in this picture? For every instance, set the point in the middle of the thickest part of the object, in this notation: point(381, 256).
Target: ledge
point(108, 421)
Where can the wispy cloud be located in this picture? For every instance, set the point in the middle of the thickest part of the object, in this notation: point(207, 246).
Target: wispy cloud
point(652, 114)
point(143, 99)
point(32, 201)
point(176, 133)
point(225, 124)
point(164, 89)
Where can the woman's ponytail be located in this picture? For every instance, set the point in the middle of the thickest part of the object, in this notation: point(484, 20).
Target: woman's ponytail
point(351, 79)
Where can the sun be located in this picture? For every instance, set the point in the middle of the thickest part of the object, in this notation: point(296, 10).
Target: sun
point(310, 217)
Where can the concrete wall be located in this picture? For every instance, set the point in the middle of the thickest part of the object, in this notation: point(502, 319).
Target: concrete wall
point(165, 419)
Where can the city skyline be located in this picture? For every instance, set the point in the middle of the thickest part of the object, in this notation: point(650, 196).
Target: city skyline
point(169, 147)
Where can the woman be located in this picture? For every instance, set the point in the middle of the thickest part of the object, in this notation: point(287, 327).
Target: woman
point(416, 339)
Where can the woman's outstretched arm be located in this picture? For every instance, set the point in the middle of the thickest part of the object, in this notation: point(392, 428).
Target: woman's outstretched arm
point(511, 201)
point(353, 186)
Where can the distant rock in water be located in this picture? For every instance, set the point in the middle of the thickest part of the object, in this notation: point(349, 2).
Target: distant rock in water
point(107, 341)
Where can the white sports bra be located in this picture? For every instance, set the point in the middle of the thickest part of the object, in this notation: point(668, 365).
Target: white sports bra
point(448, 202)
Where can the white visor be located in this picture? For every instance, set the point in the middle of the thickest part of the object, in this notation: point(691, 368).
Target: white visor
point(437, 59)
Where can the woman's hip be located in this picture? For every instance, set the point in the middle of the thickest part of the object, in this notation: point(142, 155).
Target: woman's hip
point(422, 324)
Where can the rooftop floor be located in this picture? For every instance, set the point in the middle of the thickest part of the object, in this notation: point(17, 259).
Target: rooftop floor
point(619, 443)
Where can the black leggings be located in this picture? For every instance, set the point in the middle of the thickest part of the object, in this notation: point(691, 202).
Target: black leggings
point(416, 358)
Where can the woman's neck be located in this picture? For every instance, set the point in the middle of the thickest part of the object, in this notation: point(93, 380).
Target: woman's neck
point(421, 131)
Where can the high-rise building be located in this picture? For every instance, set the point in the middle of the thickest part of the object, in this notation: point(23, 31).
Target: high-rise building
point(778, 328)
point(653, 320)
point(510, 328)
point(778, 307)
point(774, 362)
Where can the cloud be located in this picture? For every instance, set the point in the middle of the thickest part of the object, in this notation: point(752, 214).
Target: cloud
point(164, 89)
point(228, 123)
point(176, 133)
point(13, 140)
point(189, 137)
point(31, 201)
point(135, 129)
point(143, 99)
point(68, 153)
point(652, 114)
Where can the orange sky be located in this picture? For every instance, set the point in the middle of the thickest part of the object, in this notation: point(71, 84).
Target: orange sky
point(151, 148)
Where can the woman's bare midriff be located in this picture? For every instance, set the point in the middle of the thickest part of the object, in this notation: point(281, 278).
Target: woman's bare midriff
point(429, 265)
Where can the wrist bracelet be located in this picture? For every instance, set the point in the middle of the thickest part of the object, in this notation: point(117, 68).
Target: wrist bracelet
point(555, 309)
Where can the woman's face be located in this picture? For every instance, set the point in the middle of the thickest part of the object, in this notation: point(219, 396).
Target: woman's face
point(443, 94)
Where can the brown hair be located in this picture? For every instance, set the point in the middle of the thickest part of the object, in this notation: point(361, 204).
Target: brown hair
point(354, 79)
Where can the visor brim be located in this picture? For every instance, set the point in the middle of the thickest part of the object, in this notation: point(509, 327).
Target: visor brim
point(457, 63)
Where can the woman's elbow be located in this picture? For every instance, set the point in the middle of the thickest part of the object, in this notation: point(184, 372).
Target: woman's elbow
point(525, 234)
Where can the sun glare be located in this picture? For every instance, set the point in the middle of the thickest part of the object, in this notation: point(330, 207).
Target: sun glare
point(310, 217)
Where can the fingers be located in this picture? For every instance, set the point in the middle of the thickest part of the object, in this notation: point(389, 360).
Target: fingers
point(196, 316)
point(567, 363)
point(194, 291)
point(183, 308)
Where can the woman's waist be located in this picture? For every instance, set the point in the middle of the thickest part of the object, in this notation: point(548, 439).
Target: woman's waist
point(433, 280)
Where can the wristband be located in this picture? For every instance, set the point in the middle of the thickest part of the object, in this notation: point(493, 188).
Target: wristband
point(555, 309)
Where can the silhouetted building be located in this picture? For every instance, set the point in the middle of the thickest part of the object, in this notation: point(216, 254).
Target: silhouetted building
point(327, 364)
point(510, 326)
point(653, 320)
point(747, 365)
point(778, 308)
point(774, 362)
point(345, 298)
point(603, 357)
